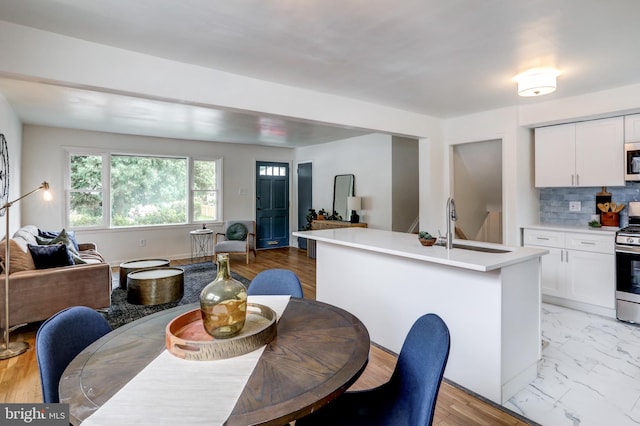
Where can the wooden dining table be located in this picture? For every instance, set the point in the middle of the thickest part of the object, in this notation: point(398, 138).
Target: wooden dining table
point(320, 350)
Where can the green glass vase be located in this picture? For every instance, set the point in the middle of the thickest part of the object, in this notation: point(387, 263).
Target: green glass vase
point(223, 303)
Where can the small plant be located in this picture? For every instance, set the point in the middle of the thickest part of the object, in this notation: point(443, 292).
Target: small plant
point(311, 216)
point(594, 224)
point(424, 235)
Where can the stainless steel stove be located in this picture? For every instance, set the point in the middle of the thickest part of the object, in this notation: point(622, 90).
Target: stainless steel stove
point(629, 236)
point(628, 268)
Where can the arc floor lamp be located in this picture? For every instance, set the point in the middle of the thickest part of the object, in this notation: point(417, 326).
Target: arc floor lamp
point(9, 349)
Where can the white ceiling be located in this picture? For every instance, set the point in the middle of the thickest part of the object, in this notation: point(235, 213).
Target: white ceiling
point(442, 58)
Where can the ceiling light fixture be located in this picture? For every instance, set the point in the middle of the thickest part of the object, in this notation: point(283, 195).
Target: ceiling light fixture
point(537, 82)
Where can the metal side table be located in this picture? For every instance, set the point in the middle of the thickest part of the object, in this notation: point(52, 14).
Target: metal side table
point(201, 243)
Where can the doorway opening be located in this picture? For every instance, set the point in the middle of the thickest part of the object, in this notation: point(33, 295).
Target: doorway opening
point(305, 199)
point(477, 188)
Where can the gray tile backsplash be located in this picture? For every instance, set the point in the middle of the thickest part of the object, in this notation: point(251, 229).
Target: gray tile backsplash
point(554, 203)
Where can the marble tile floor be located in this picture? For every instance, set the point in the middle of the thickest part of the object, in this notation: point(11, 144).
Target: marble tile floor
point(589, 373)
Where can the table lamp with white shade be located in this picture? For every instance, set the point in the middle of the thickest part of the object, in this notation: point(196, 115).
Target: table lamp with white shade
point(9, 349)
point(353, 204)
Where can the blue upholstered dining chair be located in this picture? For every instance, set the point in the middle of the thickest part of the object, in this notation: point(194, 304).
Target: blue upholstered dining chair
point(409, 397)
point(275, 282)
point(60, 338)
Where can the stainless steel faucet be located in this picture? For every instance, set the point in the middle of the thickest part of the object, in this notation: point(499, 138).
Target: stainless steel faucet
point(451, 218)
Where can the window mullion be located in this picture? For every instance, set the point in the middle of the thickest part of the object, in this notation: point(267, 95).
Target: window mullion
point(106, 190)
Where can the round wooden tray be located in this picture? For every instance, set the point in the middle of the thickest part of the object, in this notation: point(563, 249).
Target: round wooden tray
point(186, 337)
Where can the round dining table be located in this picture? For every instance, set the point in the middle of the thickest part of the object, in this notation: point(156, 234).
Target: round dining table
point(320, 350)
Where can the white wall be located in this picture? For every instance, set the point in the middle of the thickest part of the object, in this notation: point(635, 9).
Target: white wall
point(606, 103)
point(44, 159)
point(366, 157)
point(11, 128)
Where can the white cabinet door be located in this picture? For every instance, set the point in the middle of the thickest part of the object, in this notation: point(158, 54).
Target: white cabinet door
point(579, 267)
point(552, 268)
point(555, 156)
point(591, 278)
point(632, 128)
point(552, 274)
point(600, 152)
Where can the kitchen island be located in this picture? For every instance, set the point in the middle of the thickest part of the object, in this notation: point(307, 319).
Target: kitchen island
point(489, 300)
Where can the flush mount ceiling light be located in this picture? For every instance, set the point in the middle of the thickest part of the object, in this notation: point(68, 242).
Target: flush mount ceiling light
point(537, 82)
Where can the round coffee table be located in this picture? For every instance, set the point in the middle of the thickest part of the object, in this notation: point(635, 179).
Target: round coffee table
point(155, 286)
point(134, 265)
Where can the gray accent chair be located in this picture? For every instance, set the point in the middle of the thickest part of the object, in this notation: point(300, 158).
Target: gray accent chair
point(223, 244)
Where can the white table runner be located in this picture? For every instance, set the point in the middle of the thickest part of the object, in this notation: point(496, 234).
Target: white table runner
point(173, 391)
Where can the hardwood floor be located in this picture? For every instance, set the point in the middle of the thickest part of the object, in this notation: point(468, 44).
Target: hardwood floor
point(20, 380)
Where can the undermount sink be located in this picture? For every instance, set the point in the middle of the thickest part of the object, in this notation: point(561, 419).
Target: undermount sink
point(482, 249)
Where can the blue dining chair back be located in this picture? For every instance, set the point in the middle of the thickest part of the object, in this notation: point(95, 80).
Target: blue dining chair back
point(60, 338)
point(409, 397)
point(276, 282)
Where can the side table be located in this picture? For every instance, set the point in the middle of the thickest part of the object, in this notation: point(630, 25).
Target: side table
point(134, 265)
point(155, 286)
point(201, 243)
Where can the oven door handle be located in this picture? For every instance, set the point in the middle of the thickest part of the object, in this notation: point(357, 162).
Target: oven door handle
point(620, 249)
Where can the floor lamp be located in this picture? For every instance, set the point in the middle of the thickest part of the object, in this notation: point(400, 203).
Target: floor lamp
point(9, 349)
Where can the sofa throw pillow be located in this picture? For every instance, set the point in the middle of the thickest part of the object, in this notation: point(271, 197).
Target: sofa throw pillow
point(65, 239)
point(237, 232)
point(51, 235)
point(51, 256)
point(21, 259)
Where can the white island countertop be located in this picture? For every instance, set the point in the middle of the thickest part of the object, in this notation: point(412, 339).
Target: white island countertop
point(407, 245)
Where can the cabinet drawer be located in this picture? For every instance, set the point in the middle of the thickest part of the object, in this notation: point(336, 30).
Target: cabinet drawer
point(536, 237)
point(589, 242)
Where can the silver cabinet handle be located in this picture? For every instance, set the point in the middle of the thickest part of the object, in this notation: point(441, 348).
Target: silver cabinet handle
point(561, 256)
point(566, 256)
point(542, 238)
point(588, 243)
point(572, 179)
point(577, 180)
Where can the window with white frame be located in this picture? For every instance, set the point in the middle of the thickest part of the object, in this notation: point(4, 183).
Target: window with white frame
point(204, 191)
point(86, 194)
point(123, 190)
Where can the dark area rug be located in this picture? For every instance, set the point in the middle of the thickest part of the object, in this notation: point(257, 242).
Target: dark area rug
point(196, 276)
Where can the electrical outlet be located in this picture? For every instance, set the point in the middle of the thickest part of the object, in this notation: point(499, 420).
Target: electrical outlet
point(142, 243)
point(575, 206)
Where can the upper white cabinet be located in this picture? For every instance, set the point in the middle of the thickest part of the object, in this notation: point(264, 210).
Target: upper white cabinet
point(632, 128)
point(589, 153)
point(555, 155)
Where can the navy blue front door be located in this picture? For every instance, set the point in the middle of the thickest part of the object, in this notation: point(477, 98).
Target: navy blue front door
point(272, 204)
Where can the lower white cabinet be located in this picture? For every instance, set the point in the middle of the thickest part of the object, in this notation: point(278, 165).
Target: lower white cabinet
point(580, 267)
